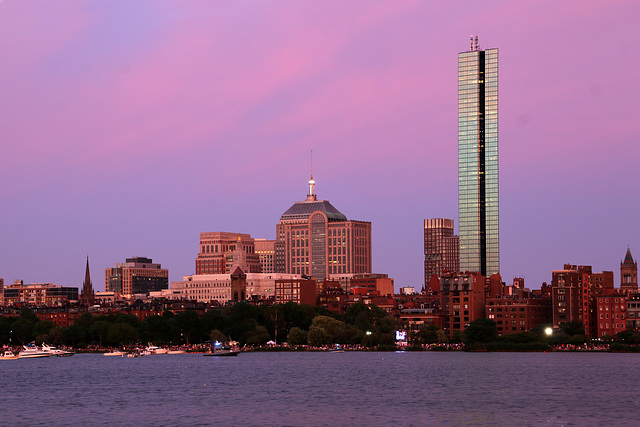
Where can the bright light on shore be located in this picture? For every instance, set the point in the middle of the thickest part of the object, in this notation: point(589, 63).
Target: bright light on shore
point(548, 331)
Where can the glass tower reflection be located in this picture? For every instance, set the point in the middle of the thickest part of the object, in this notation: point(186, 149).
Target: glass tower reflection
point(478, 160)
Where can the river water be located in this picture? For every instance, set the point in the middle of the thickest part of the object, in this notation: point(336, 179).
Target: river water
point(319, 388)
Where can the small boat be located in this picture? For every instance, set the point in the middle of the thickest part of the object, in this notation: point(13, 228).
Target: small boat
point(176, 352)
point(8, 355)
point(135, 354)
point(115, 353)
point(337, 349)
point(222, 350)
point(54, 351)
point(30, 351)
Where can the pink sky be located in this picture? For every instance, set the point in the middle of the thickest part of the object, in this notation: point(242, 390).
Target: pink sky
point(130, 127)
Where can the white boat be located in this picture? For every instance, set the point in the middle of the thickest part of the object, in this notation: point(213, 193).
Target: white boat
point(31, 351)
point(152, 349)
point(115, 353)
point(55, 351)
point(176, 352)
point(8, 355)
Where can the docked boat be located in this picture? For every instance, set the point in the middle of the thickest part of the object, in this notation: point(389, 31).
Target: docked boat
point(176, 352)
point(31, 351)
point(115, 353)
point(55, 351)
point(8, 355)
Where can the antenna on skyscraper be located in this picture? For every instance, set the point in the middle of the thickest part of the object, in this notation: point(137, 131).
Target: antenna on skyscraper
point(312, 183)
point(471, 43)
point(476, 44)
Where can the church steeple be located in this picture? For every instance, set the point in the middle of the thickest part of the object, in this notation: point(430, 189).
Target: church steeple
point(87, 296)
point(629, 273)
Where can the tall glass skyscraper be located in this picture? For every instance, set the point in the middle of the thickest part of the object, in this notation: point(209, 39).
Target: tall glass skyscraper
point(478, 160)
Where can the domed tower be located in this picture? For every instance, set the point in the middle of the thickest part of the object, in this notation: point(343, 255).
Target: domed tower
point(629, 273)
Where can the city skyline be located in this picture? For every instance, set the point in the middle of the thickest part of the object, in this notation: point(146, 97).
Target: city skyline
point(128, 130)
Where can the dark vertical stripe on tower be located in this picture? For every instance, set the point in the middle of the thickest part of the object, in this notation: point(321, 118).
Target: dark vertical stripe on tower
point(481, 179)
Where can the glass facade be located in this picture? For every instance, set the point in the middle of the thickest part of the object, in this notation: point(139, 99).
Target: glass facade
point(478, 161)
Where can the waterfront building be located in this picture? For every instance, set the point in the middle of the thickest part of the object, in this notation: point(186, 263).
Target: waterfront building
point(87, 296)
point(319, 241)
point(569, 296)
point(138, 275)
point(1, 292)
point(441, 248)
point(222, 252)
point(218, 287)
point(39, 294)
point(513, 315)
point(478, 160)
point(633, 311)
point(300, 291)
point(372, 284)
point(611, 314)
point(462, 300)
point(629, 274)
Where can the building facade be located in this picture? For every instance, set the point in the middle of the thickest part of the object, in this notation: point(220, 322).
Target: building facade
point(38, 294)
point(611, 314)
point(478, 160)
point(222, 252)
point(462, 300)
point(441, 248)
point(138, 275)
point(318, 241)
point(300, 291)
point(267, 250)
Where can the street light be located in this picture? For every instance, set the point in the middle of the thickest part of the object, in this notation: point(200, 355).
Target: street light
point(548, 331)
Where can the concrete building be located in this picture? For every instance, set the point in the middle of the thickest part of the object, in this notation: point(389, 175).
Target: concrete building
point(267, 250)
point(629, 274)
point(441, 248)
point(478, 160)
point(319, 241)
point(138, 275)
point(633, 311)
point(222, 252)
point(217, 287)
point(38, 294)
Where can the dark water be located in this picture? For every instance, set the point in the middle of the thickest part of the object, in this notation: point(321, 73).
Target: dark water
point(352, 388)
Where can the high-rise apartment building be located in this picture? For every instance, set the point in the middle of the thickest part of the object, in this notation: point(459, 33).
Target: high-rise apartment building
point(441, 251)
point(138, 275)
point(317, 240)
point(478, 160)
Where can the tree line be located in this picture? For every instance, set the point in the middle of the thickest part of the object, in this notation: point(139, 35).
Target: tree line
point(297, 324)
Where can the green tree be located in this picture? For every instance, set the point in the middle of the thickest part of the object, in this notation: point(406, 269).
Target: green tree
point(99, 330)
point(480, 331)
point(318, 337)
point(258, 336)
point(122, 333)
point(297, 336)
point(188, 325)
point(217, 335)
point(572, 328)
